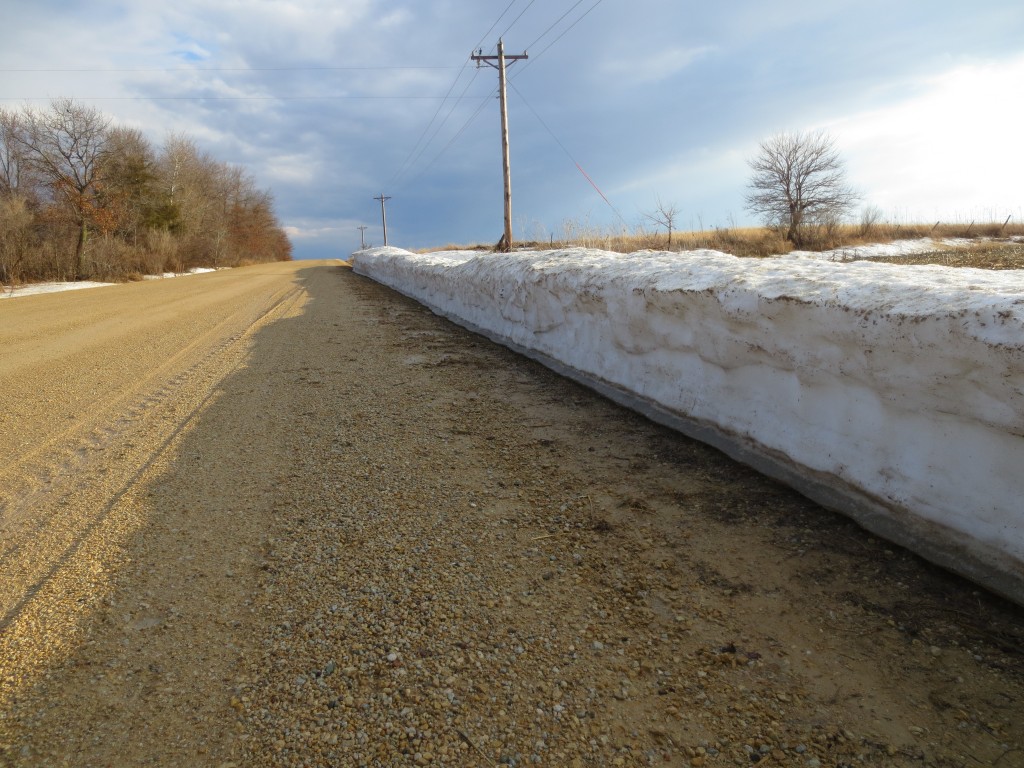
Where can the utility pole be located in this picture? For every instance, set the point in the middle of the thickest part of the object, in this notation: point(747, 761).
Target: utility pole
point(501, 59)
point(362, 242)
point(383, 216)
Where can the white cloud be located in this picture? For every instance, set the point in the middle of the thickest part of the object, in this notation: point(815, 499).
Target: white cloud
point(321, 231)
point(310, 233)
point(656, 65)
point(951, 151)
point(394, 19)
point(258, 27)
point(291, 169)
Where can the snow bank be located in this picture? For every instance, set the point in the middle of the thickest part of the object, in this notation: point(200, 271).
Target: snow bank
point(894, 394)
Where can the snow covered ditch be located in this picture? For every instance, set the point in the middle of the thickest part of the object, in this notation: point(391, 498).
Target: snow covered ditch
point(894, 394)
point(882, 250)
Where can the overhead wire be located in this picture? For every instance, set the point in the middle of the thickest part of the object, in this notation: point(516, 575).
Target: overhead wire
point(233, 98)
point(225, 69)
point(555, 24)
point(517, 18)
point(491, 28)
point(536, 56)
point(416, 152)
point(568, 153)
point(409, 159)
point(414, 155)
point(459, 133)
point(417, 155)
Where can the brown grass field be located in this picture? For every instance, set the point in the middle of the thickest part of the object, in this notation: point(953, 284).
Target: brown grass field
point(983, 246)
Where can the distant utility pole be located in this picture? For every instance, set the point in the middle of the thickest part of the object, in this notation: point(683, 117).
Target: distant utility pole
point(362, 242)
point(501, 58)
point(383, 215)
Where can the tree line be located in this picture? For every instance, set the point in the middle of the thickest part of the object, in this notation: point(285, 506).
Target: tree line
point(81, 197)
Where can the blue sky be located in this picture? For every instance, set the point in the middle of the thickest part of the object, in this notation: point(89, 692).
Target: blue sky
point(328, 103)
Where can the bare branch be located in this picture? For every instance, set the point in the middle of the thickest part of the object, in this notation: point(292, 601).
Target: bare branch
point(64, 145)
point(798, 179)
point(664, 215)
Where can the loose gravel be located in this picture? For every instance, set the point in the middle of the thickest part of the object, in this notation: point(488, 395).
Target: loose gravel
point(374, 539)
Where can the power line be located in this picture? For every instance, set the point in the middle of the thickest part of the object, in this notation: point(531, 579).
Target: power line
point(410, 162)
point(568, 153)
point(411, 159)
point(453, 139)
point(564, 32)
point(555, 24)
point(517, 18)
point(414, 156)
point(488, 32)
point(229, 98)
point(233, 69)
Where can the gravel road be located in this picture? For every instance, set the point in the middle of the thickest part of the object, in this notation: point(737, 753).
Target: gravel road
point(283, 516)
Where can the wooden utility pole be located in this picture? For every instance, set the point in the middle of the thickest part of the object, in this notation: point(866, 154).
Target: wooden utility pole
point(362, 242)
point(383, 216)
point(501, 59)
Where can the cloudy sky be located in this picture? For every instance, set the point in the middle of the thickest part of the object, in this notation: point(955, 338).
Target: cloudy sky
point(329, 103)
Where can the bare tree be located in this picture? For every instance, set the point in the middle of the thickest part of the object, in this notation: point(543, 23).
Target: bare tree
point(664, 215)
point(65, 145)
point(798, 179)
point(13, 169)
point(870, 216)
point(16, 189)
point(15, 237)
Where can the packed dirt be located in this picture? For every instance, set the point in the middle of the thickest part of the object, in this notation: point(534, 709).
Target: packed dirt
point(283, 516)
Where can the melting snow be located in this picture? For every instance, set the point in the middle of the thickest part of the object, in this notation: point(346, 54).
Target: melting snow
point(883, 250)
point(31, 289)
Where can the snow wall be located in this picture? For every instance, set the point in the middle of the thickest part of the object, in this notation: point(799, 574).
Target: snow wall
point(892, 394)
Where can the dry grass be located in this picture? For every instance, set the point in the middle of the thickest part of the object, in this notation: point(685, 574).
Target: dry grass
point(981, 245)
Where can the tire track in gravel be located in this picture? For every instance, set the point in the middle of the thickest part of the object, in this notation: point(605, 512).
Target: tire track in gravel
point(35, 543)
point(65, 455)
point(60, 451)
point(71, 531)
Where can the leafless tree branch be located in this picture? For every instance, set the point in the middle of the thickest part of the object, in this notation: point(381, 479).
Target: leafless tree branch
point(664, 215)
point(799, 179)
